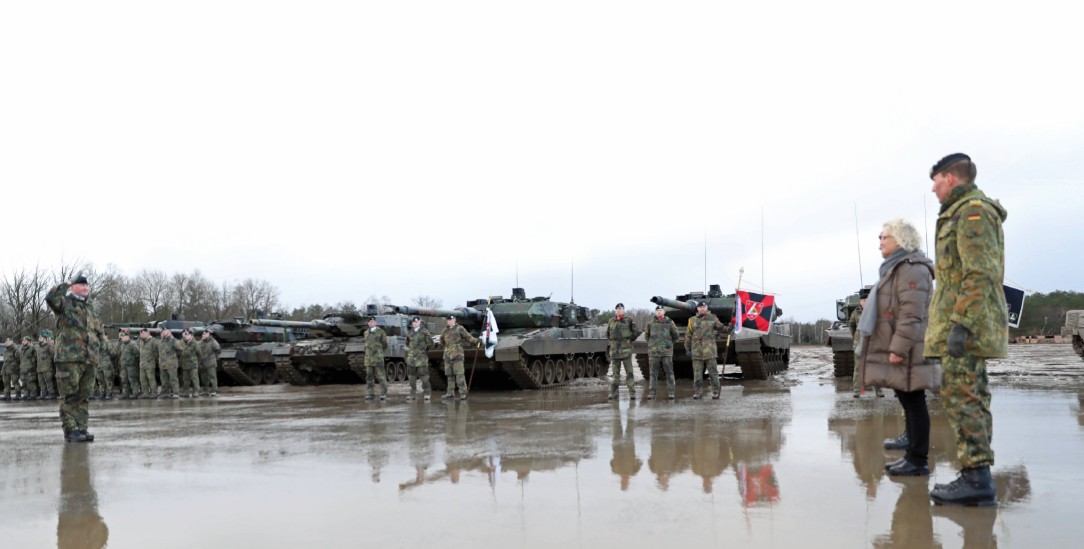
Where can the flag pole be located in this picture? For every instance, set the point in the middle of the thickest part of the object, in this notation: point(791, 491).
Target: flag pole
point(737, 319)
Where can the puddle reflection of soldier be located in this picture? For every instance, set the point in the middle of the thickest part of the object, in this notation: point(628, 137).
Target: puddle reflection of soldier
point(977, 523)
point(455, 434)
point(912, 522)
point(865, 446)
point(710, 453)
point(669, 450)
point(624, 464)
point(420, 449)
point(78, 523)
point(375, 449)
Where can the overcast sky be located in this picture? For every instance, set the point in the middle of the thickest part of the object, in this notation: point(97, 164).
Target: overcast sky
point(343, 149)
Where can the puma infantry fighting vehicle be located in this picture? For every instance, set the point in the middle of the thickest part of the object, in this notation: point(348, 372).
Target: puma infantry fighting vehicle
point(759, 354)
point(1074, 326)
point(840, 337)
point(335, 349)
point(540, 343)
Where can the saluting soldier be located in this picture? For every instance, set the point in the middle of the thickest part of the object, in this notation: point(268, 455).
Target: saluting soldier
point(106, 375)
point(622, 331)
point(452, 338)
point(78, 342)
point(11, 369)
point(968, 321)
point(418, 341)
point(148, 361)
point(704, 329)
point(169, 359)
point(28, 369)
point(661, 333)
point(208, 368)
point(190, 363)
point(129, 364)
point(46, 369)
point(376, 342)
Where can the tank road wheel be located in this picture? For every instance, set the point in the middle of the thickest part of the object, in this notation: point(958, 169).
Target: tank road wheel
point(600, 366)
point(559, 371)
point(255, 373)
point(537, 371)
point(548, 371)
point(400, 371)
point(570, 369)
point(581, 367)
point(270, 375)
point(752, 365)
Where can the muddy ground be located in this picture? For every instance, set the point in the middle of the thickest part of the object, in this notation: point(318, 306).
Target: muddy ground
point(790, 462)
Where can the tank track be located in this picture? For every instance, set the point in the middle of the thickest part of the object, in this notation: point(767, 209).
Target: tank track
point(547, 372)
point(288, 373)
point(1078, 346)
point(357, 365)
point(233, 369)
point(437, 381)
point(520, 374)
point(843, 362)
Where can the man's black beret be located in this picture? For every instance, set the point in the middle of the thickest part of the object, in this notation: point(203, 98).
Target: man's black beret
point(947, 161)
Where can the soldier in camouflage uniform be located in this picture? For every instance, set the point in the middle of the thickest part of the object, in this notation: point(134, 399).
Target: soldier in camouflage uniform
point(452, 337)
point(700, 344)
point(190, 363)
point(169, 359)
point(129, 364)
point(148, 361)
point(376, 342)
point(106, 375)
point(855, 318)
point(622, 331)
point(968, 321)
point(208, 368)
point(661, 333)
point(11, 369)
point(418, 341)
point(78, 343)
point(46, 369)
point(28, 369)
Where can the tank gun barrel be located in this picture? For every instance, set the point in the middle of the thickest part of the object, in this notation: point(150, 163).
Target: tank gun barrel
point(720, 307)
point(675, 304)
point(465, 315)
point(284, 323)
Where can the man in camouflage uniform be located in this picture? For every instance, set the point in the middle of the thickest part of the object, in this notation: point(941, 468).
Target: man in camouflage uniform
point(968, 321)
point(208, 368)
point(78, 343)
point(28, 369)
point(418, 341)
point(11, 369)
point(148, 361)
point(129, 364)
point(190, 363)
point(376, 342)
point(46, 369)
point(452, 338)
point(106, 375)
point(661, 333)
point(622, 331)
point(700, 344)
point(169, 359)
point(855, 318)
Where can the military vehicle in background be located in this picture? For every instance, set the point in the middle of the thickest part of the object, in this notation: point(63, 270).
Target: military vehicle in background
point(1074, 327)
point(246, 357)
point(840, 338)
point(759, 354)
point(335, 349)
point(540, 344)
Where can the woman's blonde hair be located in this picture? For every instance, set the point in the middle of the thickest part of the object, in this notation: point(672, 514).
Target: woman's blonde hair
point(906, 234)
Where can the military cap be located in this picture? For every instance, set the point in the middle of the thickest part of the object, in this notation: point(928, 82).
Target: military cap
point(416, 318)
point(46, 334)
point(619, 306)
point(80, 280)
point(948, 161)
point(863, 293)
point(702, 304)
point(372, 319)
point(125, 331)
point(450, 317)
point(659, 307)
point(26, 338)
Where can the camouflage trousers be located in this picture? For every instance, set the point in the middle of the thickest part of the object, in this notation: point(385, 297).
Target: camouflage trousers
point(148, 385)
point(10, 379)
point(666, 364)
point(125, 385)
point(76, 381)
point(191, 380)
point(47, 380)
point(209, 379)
point(453, 368)
point(414, 373)
point(376, 373)
point(131, 381)
point(857, 375)
point(615, 374)
point(169, 381)
point(966, 398)
point(699, 366)
point(30, 382)
point(105, 380)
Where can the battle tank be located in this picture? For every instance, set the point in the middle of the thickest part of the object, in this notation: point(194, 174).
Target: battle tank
point(540, 344)
point(1074, 327)
point(759, 354)
point(335, 350)
point(840, 338)
point(246, 357)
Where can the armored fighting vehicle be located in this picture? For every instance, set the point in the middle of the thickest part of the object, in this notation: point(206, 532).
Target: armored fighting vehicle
point(247, 357)
point(540, 344)
point(759, 354)
point(1074, 326)
point(840, 338)
point(335, 349)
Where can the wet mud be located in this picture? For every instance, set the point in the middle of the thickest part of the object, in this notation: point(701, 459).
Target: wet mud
point(794, 461)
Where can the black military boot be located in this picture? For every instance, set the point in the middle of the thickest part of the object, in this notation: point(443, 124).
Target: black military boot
point(86, 435)
point(898, 443)
point(75, 436)
point(973, 487)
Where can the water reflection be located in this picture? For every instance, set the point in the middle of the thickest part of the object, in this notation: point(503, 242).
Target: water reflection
point(862, 437)
point(624, 464)
point(78, 523)
point(977, 523)
point(420, 448)
point(912, 521)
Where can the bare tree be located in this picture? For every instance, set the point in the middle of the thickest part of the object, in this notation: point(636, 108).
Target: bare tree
point(253, 296)
point(153, 289)
point(427, 302)
point(24, 294)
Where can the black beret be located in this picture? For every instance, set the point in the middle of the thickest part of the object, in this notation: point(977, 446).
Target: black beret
point(416, 318)
point(658, 307)
point(947, 161)
point(702, 304)
point(450, 317)
point(863, 293)
point(619, 306)
point(80, 280)
point(372, 319)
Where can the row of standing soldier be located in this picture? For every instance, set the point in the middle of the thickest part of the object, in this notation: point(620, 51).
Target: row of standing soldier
point(418, 341)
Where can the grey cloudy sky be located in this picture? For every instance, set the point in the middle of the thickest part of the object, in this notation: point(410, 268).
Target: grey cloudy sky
point(343, 149)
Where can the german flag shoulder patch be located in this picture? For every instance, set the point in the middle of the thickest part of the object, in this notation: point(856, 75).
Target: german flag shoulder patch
point(974, 217)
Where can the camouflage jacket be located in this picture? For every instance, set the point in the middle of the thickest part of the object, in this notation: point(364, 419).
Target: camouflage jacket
point(970, 271)
point(852, 322)
point(453, 338)
point(661, 335)
point(148, 353)
point(417, 347)
point(28, 362)
point(701, 336)
point(11, 359)
point(78, 326)
point(376, 342)
point(45, 356)
point(169, 352)
point(107, 357)
point(190, 354)
point(208, 353)
point(622, 333)
point(129, 354)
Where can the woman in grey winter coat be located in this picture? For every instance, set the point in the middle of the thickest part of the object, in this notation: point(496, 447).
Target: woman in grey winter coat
point(893, 328)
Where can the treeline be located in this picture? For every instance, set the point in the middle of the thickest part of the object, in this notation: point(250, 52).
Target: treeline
point(1044, 314)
